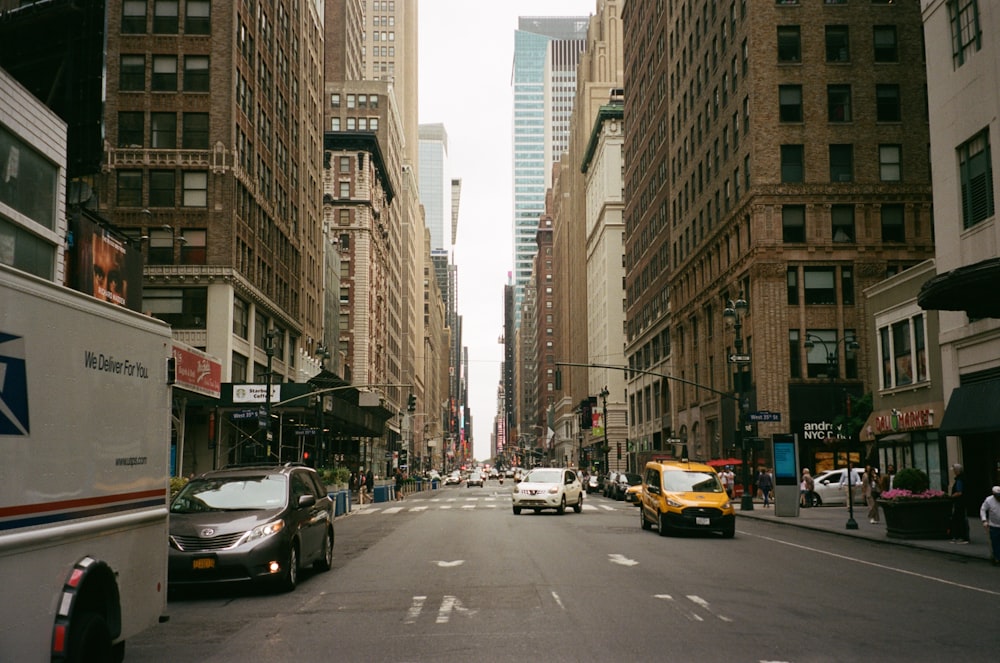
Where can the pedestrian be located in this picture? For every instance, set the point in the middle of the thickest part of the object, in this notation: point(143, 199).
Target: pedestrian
point(730, 481)
point(989, 513)
point(370, 484)
point(362, 485)
point(765, 483)
point(806, 486)
point(888, 477)
point(870, 489)
point(398, 483)
point(726, 485)
point(959, 514)
point(847, 482)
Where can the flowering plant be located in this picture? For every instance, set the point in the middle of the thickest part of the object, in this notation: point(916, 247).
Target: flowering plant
point(904, 494)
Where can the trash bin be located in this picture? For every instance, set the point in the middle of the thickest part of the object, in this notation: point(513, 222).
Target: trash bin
point(381, 493)
point(434, 484)
point(341, 504)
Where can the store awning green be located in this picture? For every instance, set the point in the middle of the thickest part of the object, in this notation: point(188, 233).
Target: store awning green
point(973, 408)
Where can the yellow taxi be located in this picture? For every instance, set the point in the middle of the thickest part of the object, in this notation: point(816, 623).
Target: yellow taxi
point(684, 496)
point(634, 494)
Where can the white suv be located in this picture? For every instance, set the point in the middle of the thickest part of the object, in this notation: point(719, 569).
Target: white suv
point(548, 488)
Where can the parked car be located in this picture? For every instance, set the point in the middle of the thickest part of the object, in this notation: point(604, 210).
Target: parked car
point(608, 486)
point(622, 483)
point(683, 496)
point(548, 488)
point(634, 494)
point(827, 490)
point(250, 523)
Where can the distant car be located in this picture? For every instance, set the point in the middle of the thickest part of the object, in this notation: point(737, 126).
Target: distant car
point(493, 473)
point(608, 486)
point(593, 484)
point(827, 490)
point(548, 488)
point(259, 523)
point(475, 478)
point(453, 479)
point(634, 494)
point(622, 482)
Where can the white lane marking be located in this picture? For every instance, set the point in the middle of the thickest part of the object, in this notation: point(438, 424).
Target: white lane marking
point(393, 509)
point(445, 506)
point(449, 604)
point(608, 508)
point(414, 612)
point(697, 600)
point(468, 506)
point(418, 508)
point(617, 558)
point(558, 601)
point(443, 564)
point(878, 566)
point(491, 506)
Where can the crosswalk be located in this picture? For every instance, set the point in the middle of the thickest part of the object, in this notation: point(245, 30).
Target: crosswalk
point(419, 504)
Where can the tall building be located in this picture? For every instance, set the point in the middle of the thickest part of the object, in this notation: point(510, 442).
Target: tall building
point(546, 52)
point(775, 168)
point(963, 48)
point(435, 187)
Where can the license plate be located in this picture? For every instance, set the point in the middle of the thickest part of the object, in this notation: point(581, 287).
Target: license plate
point(203, 563)
point(702, 521)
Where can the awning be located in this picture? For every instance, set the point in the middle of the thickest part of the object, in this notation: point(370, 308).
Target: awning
point(973, 408)
point(970, 288)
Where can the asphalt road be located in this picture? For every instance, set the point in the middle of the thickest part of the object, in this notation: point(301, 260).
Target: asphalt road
point(453, 575)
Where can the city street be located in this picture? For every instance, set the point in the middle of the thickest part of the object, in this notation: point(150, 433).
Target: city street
point(453, 575)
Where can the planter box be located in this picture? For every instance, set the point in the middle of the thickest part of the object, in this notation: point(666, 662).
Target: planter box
point(917, 519)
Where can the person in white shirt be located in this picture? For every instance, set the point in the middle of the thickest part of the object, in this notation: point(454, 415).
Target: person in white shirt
point(989, 513)
point(849, 495)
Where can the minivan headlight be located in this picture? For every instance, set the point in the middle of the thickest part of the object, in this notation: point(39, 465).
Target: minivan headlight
point(266, 530)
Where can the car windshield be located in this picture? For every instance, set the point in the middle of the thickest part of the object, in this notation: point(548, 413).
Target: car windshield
point(231, 494)
point(544, 476)
point(633, 479)
point(691, 482)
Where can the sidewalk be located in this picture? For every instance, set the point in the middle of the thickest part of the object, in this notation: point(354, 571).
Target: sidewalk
point(834, 519)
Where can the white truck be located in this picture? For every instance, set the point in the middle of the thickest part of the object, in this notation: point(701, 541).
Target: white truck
point(84, 446)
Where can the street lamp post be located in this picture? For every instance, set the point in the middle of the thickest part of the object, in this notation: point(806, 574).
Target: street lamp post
point(833, 370)
point(604, 415)
point(735, 310)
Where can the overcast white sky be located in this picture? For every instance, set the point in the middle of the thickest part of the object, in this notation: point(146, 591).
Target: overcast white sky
point(466, 55)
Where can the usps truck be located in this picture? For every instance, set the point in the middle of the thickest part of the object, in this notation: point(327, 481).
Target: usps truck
point(84, 445)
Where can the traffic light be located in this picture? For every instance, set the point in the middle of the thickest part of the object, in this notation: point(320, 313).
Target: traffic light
point(586, 414)
point(619, 451)
point(411, 404)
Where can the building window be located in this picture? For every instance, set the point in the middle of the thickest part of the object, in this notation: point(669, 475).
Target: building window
point(838, 43)
point(351, 123)
point(162, 186)
point(163, 131)
point(842, 223)
point(241, 318)
point(183, 308)
point(130, 188)
point(976, 175)
point(820, 287)
point(792, 163)
point(161, 247)
point(165, 17)
point(238, 374)
point(132, 73)
point(965, 32)
point(847, 286)
point(793, 223)
point(195, 131)
point(838, 99)
point(792, 276)
point(334, 124)
point(131, 128)
point(794, 354)
point(789, 43)
point(790, 103)
point(196, 73)
point(887, 104)
point(194, 243)
point(842, 163)
point(345, 165)
point(890, 164)
point(164, 73)
point(886, 46)
point(892, 223)
point(345, 190)
point(133, 16)
point(198, 17)
point(195, 189)
point(335, 100)
point(352, 101)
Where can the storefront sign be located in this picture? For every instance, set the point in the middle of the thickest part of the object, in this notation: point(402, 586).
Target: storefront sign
point(903, 420)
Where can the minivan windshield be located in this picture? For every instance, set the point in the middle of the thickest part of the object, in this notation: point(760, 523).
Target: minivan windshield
point(691, 482)
point(231, 494)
